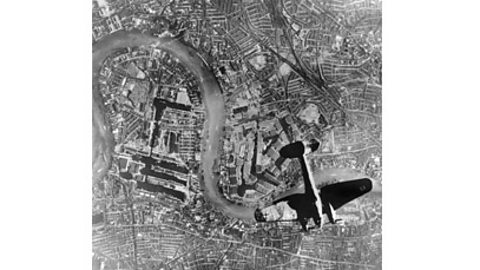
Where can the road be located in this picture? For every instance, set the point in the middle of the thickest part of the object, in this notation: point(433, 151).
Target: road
point(253, 245)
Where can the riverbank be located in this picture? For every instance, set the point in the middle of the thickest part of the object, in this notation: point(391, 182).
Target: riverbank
point(212, 98)
point(213, 127)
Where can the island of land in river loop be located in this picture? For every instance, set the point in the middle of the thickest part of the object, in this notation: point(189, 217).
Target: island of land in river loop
point(103, 143)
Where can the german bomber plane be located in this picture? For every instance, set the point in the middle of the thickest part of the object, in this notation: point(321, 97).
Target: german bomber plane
point(313, 203)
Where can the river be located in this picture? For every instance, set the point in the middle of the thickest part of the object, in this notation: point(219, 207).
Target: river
point(103, 142)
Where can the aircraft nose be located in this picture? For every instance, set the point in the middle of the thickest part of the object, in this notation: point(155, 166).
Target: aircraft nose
point(367, 184)
point(293, 150)
point(259, 215)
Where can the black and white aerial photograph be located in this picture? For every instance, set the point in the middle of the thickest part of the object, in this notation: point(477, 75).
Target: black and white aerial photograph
point(237, 134)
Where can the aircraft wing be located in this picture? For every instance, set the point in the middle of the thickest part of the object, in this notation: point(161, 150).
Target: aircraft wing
point(339, 194)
